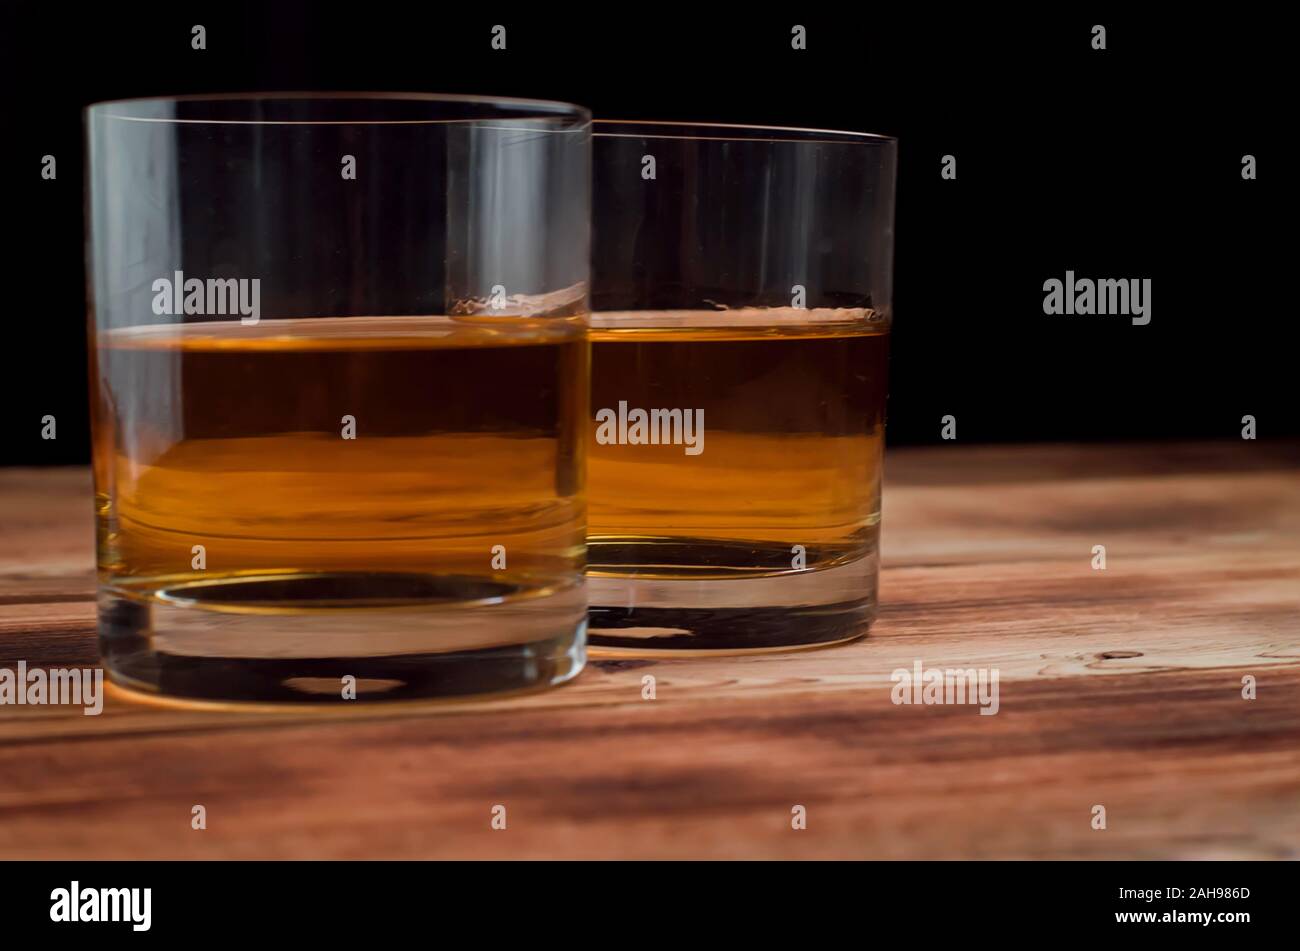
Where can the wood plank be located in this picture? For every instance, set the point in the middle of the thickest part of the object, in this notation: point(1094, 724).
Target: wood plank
point(1120, 687)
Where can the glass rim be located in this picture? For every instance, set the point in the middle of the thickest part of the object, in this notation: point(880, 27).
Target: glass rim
point(567, 116)
point(733, 132)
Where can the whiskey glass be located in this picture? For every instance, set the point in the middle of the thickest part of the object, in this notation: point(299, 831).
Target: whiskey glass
point(339, 394)
point(741, 283)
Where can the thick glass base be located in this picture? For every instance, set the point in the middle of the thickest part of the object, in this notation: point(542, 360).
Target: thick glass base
point(666, 610)
point(340, 638)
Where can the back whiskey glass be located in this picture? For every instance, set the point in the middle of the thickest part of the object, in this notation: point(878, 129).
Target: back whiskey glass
point(339, 394)
point(741, 311)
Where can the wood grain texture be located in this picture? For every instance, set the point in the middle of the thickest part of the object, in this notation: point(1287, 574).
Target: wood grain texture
point(1119, 687)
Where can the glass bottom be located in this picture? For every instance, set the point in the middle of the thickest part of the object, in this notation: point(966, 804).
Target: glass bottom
point(651, 612)
point(340, 638)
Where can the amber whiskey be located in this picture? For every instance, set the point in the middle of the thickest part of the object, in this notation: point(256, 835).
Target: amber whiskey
point(385, 497)
point(767, 537)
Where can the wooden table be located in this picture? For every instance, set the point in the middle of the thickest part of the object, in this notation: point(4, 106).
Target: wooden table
point(1121, 688)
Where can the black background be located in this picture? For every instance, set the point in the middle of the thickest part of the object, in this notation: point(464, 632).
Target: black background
point(1120, 163)
point(382, 904)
